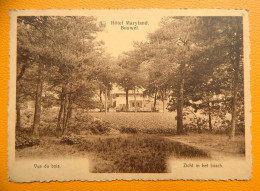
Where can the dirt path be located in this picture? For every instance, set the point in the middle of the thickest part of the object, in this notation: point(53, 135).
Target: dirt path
point(218, 146)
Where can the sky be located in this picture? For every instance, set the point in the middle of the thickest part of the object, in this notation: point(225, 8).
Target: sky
point(116, 40)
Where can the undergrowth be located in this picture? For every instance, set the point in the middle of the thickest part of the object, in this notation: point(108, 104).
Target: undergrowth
point(134, 153)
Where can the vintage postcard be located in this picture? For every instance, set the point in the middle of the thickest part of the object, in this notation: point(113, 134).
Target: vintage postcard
point(129, 94)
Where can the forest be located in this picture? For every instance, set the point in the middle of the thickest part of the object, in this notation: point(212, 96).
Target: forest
point(64, 72)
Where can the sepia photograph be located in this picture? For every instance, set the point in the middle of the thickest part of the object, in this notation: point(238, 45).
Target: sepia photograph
point(130, 95)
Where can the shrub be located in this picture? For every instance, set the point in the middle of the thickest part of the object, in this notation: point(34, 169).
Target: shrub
point(81, 121)
point(24, 139)
point(240, 130)
point(130, 130)
point(26, 118)
point(71, 140)
point(48, 130)
point(99, 127)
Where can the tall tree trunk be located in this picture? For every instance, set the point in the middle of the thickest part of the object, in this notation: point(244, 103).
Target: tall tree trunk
point(18, 116)
point(69, 114)
point(163, 106)
point(58, 128)
point(209, 113)
point(163, 97)
point(65, 111)
point(100, 98)
point(180, 102)
point(106, 100)
point(210, 124)
point(234, 100)
point(135, 100)
point(68, 118)
point(38, 103)
point(155, 99)
point(126, 99)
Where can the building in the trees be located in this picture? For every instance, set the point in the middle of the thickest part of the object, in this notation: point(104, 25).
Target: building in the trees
point(144, 103)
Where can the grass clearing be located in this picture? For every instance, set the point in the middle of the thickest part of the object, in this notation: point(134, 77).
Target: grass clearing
point(122, 153)
point(128, 143)
point(149, 123)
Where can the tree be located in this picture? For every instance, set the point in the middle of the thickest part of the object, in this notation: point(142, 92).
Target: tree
point(176, 39)
point(31, 32)
point(219, 67)
point(235, 44)
point(64, 49)
point(193, 43)
point(105, 74)
point(131, 73)
point(75, 56)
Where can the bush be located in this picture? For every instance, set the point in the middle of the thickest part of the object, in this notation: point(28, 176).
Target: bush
point(24, 139)
point(71, 140)
point(26, 118)
point(240, 130)
point(130, 130)
point(190, 127)
point(99, 127)
point(48, 124)
point(81, 121)
point(48, 130)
